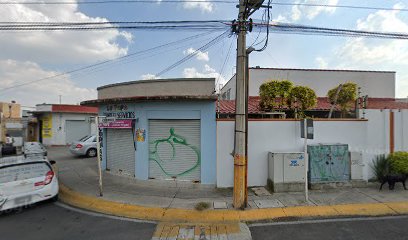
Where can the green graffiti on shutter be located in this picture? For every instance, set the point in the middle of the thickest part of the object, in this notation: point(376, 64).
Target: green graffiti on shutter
point(173, 140)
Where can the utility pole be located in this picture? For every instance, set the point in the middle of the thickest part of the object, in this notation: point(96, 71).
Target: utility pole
point(240, 157)
point(240, 194)
point(98, 155)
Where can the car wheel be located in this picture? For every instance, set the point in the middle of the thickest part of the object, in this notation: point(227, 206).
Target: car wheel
point(91, 152)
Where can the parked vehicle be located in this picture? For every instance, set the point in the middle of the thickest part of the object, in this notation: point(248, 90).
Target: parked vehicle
point(7, 149)
point(85, 146)
point(24, 181)
point(34, 148)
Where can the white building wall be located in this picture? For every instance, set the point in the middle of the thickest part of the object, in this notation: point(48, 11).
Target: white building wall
point(280, 136)
point(378, 133)
point(59, 130)
point(401, 129)
point(373, 84)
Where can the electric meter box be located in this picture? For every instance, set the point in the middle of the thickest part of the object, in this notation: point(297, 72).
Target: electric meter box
point(286, 171)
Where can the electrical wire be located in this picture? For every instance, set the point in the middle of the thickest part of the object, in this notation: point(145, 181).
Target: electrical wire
point(254, 43)
point(128, 61)
point(194, 1)
point(189, 56)
point(311, 30)
point(88, 67)
point(134, 25)
point(221, 72)
point(113, 22)
point(268, 17)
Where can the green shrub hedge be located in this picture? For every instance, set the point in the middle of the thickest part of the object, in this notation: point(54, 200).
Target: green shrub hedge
point(398, 162)
point(394, 163)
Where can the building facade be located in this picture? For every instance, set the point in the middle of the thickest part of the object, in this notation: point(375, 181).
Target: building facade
point(161, 129)
point(61, 124)
point(11, 122)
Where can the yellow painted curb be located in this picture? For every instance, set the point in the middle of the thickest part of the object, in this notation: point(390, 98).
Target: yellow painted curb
point(80, 200)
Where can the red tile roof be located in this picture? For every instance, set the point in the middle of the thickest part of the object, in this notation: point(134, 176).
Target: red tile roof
point(228, 106)
point(387, 103)
point(73, 108)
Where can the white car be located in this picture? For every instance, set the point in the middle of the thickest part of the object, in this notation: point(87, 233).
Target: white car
point(24, 181)
point(34, 148)
point(85, 146)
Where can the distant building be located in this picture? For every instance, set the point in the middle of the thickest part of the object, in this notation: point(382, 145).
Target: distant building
point(61, 124)
point(375, 84)
point(10, 122)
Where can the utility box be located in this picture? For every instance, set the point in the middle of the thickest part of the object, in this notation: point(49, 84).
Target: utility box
point(357, 165)
point(329, 163)
point(286, 172)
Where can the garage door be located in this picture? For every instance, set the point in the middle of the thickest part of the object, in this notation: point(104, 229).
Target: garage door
point(120, 152)
point(76, 129)
point(174, 149)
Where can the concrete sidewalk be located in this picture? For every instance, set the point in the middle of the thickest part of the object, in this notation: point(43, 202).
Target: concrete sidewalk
point(163, 199)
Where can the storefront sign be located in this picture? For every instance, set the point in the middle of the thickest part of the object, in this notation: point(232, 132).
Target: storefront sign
point(47, 126)
point(117, 124)
point(119, 111)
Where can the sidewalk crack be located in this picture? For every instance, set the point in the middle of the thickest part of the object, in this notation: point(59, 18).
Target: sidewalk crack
point(365, 194)
point(173, 198)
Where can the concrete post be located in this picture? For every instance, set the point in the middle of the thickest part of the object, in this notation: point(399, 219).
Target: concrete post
point(240, 157)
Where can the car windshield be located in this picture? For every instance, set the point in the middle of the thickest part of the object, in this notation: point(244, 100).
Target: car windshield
point(23, 171)
point(84, 138)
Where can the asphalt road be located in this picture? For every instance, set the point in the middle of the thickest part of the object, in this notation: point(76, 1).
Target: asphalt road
point(387, 228)
point(54, 221)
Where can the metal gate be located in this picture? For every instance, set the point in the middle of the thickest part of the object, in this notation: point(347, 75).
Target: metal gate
point(76, 129)
point(120, 151)
point(174, 149)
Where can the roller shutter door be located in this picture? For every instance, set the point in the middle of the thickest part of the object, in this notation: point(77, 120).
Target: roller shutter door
point(120, 152)
point(76, 129)
point(174, 149)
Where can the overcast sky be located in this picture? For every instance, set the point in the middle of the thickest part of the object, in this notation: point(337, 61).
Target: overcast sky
point(29, 56)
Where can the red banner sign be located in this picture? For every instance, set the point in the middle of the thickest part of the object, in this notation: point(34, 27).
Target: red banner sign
point(127, 123)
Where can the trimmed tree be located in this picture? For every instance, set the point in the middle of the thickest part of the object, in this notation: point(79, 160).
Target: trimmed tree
point(274, 94)
point(302, 98)
point(345, 97)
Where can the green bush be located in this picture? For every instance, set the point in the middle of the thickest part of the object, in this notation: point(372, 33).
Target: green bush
point(381, 167)
point(201, 206)
point(399, 162)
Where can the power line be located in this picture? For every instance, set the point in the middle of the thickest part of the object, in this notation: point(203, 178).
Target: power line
point(340, 6)
point(134, 25)
point(213, 25)
point(268, 16)
point(195, 1)
point(189, 56)
point(311, 30)
point(112, 22)
point(223, 66)
point(128, 61)
point(113, 2)
point(102, 63)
